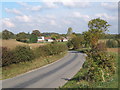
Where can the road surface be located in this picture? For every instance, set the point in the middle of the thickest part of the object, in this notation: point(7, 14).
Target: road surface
point(50, 76)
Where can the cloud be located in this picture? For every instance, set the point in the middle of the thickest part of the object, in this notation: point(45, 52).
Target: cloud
point(51, 16)
point(66, 22)
point(53, 22)
point(23, 4)
point(36, 8)
point(50, 4)
point(30, 7)
point(8, 23)
point(69, 3)
point(110, 6)
point(79, 15)
point(24, 18)
point(106, 16)
point(15, 11)
point(76, 4)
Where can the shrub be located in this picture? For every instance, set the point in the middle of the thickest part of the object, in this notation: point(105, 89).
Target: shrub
point(22, 40)
point(75, 43)
point(112, 43)
point(69, 44)
point(99, 64)
point(50, 49)
point(101, 46)
point(23, 53)
point(7, 56)
point(33, 38)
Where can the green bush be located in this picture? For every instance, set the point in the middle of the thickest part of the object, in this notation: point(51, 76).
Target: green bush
point(22, 54)
point(50, 49)
point(22, 40)
point(99, 65)
point(101, 46)
point(112, 43)
point(75, 43)
point(33, 38)
point(69, 44)
point(7, 56)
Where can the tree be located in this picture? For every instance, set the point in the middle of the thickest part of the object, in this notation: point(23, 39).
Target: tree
point(7, 34)
point(75, 43)
point(36, 32)
point(69, 32)
point(21, 35)
point(98, 24)
point(55, 36)
point(97, 28)
point(33, 38)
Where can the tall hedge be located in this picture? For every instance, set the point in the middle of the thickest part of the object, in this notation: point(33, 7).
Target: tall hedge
point(33, 38)
point(23, 53)
point(112, 43)
point(7, 56)
point(50, 49)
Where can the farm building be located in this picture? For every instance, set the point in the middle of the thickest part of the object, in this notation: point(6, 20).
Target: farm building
point(49, 39)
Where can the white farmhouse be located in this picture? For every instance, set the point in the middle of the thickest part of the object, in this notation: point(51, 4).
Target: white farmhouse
point(41, 39)
point(48, 39)
point(65, 40)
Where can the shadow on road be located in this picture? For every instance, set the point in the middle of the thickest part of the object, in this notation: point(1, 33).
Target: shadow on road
point(78, 78)
point(74, 51)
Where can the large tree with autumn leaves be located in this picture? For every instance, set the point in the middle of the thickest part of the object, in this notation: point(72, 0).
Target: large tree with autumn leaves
point(97, 28)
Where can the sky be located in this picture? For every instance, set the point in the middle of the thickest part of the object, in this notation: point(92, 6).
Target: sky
point(56, 16)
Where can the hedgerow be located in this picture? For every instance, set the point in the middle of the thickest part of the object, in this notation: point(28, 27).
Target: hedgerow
point(7, 56)
point(24, 53)
point(112, 43)
point(50, 49)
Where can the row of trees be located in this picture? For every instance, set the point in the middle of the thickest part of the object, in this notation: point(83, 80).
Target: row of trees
point(22, 36)
point(29, 37)
point(89, 39)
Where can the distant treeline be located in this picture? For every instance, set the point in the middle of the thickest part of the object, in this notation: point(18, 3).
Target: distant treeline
point(105, 36)
point(5, 34)
point(29, 37)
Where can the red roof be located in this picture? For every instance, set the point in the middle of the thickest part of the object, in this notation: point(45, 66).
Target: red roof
point(47, 38)
point(58, 39)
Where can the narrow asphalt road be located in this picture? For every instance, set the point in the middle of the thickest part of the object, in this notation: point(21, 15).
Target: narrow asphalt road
point(50, 76)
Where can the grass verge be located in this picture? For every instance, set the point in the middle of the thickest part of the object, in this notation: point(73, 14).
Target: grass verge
point(17, 69)
point(75, 82)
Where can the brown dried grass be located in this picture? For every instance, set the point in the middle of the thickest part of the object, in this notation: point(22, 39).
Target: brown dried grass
point(12, 43)
point(113, 50)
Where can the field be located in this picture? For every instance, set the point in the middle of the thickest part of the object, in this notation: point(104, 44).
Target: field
point(103, 40)
point(12, 43)
point(115, 50)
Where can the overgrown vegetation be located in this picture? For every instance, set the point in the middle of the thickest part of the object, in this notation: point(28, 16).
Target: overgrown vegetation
point(19, 68)
point(50, 49)
point(99, 66)
point(76, 42)
point(113, 43)
point(24, 53)
point(86, 78)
